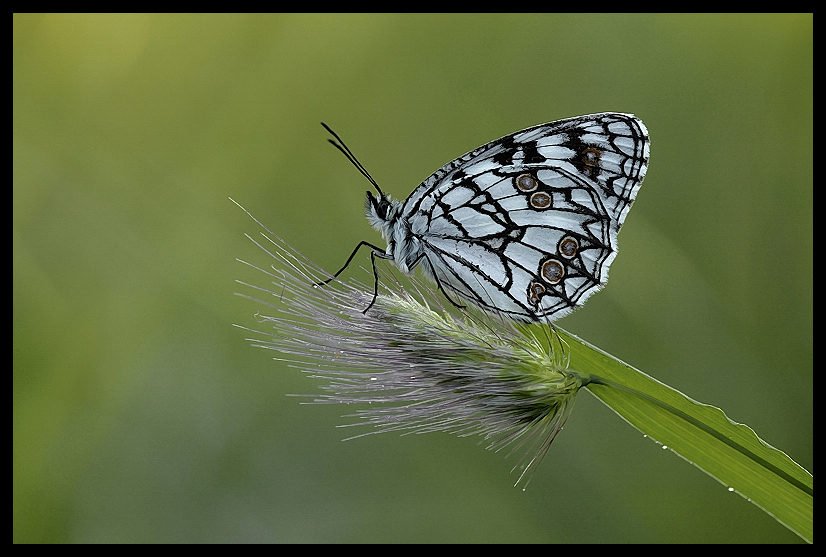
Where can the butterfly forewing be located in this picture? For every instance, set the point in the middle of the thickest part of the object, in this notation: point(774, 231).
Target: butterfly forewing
point(527, 225)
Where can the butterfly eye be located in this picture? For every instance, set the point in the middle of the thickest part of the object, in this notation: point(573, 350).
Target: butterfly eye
point(590, 160)
point(540, 200)
point(552, 271)
point(590, 156)
point(535, 292)
point(380, 205)
point(526, 182)
point(568, 247)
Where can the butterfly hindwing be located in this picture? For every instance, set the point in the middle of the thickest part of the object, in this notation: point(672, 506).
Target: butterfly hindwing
point(526, 225)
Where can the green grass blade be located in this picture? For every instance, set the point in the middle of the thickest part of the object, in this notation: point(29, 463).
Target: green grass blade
point(702, 434)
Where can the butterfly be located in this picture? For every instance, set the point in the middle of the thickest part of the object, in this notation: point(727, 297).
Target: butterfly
point(524, 226)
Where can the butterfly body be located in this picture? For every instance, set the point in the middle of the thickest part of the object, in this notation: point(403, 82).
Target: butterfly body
point(525, 225)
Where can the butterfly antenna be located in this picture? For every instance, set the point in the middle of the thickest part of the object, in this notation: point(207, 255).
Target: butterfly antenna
point(339, 144)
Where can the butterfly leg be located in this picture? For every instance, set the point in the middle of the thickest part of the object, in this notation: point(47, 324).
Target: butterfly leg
point(436, 278)
point(373, 254)
point(349, 259)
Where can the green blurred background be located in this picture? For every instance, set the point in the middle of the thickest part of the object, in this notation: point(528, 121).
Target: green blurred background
point(141, 415)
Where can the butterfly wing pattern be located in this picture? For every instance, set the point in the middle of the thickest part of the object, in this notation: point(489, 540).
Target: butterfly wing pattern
point(526, 225)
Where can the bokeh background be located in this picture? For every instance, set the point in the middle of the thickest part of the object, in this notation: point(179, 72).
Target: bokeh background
point(141, 415)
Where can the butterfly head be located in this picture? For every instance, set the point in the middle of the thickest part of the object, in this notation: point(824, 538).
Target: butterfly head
point(382, 211)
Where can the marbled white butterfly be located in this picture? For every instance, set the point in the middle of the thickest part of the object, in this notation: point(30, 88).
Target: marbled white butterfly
point(524, 226)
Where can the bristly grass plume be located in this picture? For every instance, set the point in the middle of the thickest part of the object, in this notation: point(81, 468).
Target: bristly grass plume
point(422, 367)
point(412, 364)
